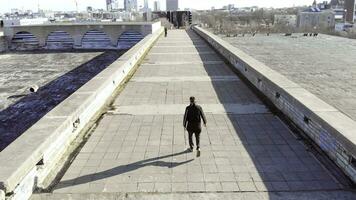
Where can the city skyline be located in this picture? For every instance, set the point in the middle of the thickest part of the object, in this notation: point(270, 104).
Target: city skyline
point(70, 5)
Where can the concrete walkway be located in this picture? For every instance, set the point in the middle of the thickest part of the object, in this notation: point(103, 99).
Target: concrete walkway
point(139, 146)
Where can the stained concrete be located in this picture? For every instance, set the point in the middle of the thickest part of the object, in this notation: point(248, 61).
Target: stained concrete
point(144, 153)
point(324, 65)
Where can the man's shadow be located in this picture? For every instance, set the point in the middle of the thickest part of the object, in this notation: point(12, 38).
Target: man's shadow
point(123, 169)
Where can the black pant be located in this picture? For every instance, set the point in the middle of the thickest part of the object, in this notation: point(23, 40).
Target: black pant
point(197, 138)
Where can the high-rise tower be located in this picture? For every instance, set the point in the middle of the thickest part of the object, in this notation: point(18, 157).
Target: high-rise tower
point(108, 5)
point(172, 5)
point(156, 6)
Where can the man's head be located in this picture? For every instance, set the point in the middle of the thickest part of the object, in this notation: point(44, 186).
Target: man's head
point(192, 99)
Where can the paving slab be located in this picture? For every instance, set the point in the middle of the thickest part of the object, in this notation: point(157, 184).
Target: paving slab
point(139, 147)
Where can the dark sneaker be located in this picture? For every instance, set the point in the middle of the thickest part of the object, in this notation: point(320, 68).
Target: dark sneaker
point(190, 149)
point(198, 152)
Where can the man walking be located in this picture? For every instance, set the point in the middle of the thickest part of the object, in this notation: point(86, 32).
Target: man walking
point(192, 122)
point(165, 31)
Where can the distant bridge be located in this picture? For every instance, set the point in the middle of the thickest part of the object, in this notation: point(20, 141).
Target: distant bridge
point(78, 36)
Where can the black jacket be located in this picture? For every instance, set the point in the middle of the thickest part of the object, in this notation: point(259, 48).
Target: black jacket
point(192, 117)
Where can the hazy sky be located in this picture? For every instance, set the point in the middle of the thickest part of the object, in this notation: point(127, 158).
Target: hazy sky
point(6, 5)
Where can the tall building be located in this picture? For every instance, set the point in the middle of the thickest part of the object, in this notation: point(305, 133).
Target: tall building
point(350, 10)
point(145, 5)
point(121, 4)
point(130, 5)
point(108, 5)
point(89, 9)
point(335, 4)
point(156, 6)
point(230, 6)
point(314, 4)
point(134, 5)
point(114, 5)
point(117, 4)
point(172, 5)
point(316, 20)
point(127, 5)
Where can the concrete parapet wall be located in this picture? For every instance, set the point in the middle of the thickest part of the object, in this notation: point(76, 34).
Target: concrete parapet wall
point(334, 132)
point(27, 162)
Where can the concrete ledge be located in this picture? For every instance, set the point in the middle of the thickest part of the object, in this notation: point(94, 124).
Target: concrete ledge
point(29, 160)
point(333, 131)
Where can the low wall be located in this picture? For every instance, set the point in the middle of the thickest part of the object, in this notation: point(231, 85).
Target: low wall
point(334, 132)
point(27, 161)
point(3, 43)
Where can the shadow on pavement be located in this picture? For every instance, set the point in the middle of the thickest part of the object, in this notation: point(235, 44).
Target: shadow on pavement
point(122, 169)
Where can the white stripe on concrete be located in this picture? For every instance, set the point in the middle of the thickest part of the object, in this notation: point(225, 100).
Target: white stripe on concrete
point(179, 109)
point(185, 53)
point(179, 65)
point(196, 46)
point(185, 63)
point(181, 41)
point(185, 78)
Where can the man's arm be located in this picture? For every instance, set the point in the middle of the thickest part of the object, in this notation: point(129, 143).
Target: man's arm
point(202, 114)
point(185, 118)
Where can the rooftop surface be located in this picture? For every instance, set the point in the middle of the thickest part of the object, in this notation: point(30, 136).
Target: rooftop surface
point(140, 145)
point(324, 65)
point(57, 74)
point(20, 71)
